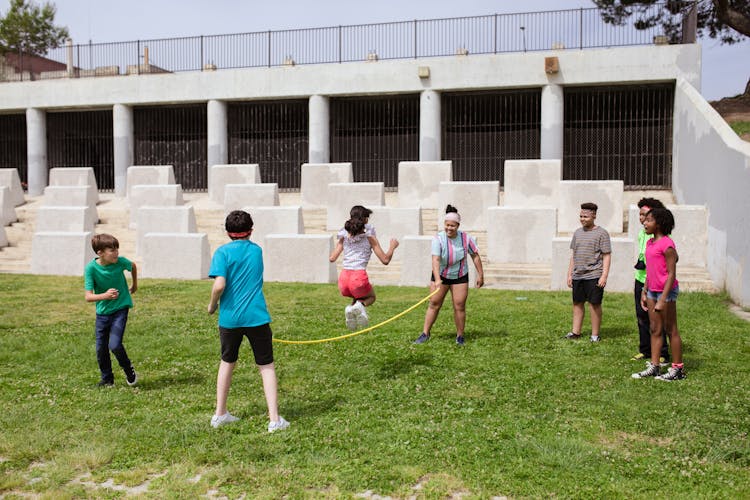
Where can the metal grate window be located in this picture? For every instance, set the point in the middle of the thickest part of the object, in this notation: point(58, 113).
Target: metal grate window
point(174, 135)
point(273, 135)
point(620, 133)
point(13, 144)
point(83, 139)
point(375, 134)
point(483, 129)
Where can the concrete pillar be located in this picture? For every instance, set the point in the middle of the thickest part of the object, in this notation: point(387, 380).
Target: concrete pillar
point(36, 150)
point(552, 123)
point(319, 146)
point(429, 126)
point(218, 142)
point(124, 146)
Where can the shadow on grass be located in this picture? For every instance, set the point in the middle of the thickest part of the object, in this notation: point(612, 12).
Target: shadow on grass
point(169, 381)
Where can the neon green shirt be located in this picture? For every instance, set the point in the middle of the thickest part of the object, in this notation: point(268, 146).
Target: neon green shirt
point(640, 274)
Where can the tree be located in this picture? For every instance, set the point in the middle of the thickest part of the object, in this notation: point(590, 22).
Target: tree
point(727, 20)
point(28, 28)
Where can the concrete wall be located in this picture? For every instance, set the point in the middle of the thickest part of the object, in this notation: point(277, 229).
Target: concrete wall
point(577, 67)
point(711, 167)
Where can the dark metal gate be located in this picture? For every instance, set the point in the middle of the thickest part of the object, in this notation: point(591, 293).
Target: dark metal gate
point(13, 145)
point(273, 135)
point(174, 135)
point(483, 129)
point(620, 133)
point(375, 134)
point(82, 139)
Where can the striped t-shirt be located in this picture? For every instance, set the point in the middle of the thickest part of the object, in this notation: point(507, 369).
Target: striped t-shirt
point(452, 251)
point(588, 247)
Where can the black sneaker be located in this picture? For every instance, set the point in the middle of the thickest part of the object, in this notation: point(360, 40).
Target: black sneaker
point(572, 336)
point(460, 340)
point(131, 376)
point(106, 383)
point(423, 337)
point(672, 374)
point(650, 371)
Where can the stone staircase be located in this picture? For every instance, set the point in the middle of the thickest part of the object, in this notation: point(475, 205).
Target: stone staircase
point(114, 218)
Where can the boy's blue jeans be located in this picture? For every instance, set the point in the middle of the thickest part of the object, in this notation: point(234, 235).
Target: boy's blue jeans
point(110, 329)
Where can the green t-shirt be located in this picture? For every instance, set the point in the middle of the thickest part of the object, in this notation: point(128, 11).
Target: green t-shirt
point(640, 274)
point(99, 279)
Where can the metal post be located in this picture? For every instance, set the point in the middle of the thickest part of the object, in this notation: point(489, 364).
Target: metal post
point(339, 43)
point(495, 34)
point(415, 39)
point(138, 57)
point(269, 48)
point(201, 53)
point(580, 28)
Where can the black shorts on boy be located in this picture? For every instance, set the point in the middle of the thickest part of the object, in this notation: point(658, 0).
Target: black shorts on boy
point(587, 291)
point(261, 341)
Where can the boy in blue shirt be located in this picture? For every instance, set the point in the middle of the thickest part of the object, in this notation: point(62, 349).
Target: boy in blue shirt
point(237, 269)
point(106, 285)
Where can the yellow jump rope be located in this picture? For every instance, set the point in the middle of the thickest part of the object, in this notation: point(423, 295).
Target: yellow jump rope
point(360, 332)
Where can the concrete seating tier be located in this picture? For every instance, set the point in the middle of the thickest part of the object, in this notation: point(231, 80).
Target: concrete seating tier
point(315, 178)
point(395, 223)
point(299, 258)
point(3, 237)
point(149, 174)
point(418, 182)
point(471, 199)
point(221, 175)
point(74, 176)
point(9, 177)
point(608, 196)
point(7, 209)
point(59, 253)
point(237, 196)
point(520, 234)
point(176, 256)
point(66, 219)
point(71, 196)
point(532, 183)
point(163, 220)
point(342, 196)
point(275, 220)
point(156, 195)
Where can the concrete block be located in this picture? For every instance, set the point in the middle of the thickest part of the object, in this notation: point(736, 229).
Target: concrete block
point(418, 182)
point(7, 209)
point(395, 223)
point(9, 177)
point(532, 183)
point(299, 258)
point(176, 256)
point(416, 260)
point(74, 176)
point(237, 196)
point(65, 219)
point(690, 233)
point(275, 220)
point(63, 254)
point(149, 174)
point(520, 234)
point(343, 196)
point(620, 277)
point(471, 199)
point(70, 196)
point(315, 178)
point(3, 238)
point(608, 195)
point(221, 175)
point(157, 195)
point(163, 220)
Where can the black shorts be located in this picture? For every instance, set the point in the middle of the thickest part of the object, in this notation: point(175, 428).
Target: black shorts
point(587, 291)
point(457, 281)
point(260, 338)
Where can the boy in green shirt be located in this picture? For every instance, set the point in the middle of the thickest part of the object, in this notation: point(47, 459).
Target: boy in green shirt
point(106, 285)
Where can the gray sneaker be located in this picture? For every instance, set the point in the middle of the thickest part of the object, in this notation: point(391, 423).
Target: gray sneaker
point(650, 371)
point(672, 374)
point(219, 420)
point(279, 425)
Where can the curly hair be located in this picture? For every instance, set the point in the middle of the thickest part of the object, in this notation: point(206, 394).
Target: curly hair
point(663, 218)
point(650, 203)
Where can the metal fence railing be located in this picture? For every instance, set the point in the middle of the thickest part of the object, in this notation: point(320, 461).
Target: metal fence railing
point(532, 31)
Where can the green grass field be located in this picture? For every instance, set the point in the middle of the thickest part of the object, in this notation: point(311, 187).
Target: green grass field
point(517, 412)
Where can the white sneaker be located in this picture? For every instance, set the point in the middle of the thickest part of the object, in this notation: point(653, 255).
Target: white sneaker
point(351, 318)
point(279, 425)
point(360, 313)
point(219, 420)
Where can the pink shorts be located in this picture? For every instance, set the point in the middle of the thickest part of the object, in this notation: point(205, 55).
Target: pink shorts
point(354, 283)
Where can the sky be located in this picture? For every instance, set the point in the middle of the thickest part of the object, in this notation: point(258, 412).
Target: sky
point(726, 69)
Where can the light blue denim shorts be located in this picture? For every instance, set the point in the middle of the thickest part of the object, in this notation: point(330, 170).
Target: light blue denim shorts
point(672, 297)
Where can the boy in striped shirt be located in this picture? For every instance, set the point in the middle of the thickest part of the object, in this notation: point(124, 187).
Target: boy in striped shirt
point(588, 270)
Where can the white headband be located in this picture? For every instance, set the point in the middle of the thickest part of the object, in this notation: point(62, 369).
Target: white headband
point(452, 216)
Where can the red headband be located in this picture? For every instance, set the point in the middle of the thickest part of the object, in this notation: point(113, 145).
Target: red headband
point(239, 235)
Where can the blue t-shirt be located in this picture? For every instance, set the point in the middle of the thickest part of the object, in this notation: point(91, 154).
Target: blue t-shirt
point(453, 253)
point(242, 303)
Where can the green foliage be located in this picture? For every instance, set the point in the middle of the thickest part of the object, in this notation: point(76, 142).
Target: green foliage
point(728, 21)
point(740, 128)
point(517, 412)
point(30, 29)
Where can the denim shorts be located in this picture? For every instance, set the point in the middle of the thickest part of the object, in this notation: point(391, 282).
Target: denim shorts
point(672, 297)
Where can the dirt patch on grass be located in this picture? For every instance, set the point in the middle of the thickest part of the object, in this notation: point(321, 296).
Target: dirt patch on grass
point(734, 109)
